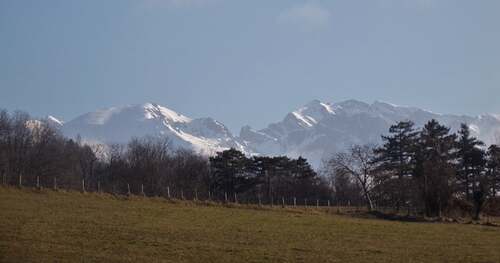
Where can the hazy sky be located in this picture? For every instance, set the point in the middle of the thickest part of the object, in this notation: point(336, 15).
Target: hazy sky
point(248, 61)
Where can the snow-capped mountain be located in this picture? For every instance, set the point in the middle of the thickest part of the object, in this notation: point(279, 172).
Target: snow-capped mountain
point(318, 129)
point(120, 124)
point(314, 131)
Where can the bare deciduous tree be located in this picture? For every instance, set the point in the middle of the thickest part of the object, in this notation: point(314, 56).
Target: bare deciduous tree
point(356, 164)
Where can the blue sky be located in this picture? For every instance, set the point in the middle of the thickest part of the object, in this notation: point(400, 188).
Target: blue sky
point(248, 62)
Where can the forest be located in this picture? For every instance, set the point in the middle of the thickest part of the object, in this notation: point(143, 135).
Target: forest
point(428, 171)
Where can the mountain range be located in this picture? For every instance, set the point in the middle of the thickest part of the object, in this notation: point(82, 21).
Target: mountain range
point(314, 131)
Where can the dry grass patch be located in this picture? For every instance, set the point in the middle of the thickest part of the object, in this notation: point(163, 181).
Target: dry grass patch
point(48, 226)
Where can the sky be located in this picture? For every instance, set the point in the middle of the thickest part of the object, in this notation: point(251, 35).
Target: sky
point(248, 62)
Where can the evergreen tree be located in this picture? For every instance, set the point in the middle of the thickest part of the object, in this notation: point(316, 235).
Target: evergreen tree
point(396, 158)
point(493, 169)
point(230, 172)
point(304, 178)
point(262, 167)
point(471, 162)
point(434, 169)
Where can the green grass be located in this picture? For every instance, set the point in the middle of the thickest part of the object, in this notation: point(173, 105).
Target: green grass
point(48, 226)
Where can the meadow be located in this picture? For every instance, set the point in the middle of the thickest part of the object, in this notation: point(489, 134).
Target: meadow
point(69, 226)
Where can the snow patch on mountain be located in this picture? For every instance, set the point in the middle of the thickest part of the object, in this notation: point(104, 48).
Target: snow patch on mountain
point(117, 125)
point(54, 121)
point(319, 129)
point(314, 131)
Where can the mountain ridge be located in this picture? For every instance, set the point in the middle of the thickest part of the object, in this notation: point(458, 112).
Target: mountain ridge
point(319, 129)
point(315, 131)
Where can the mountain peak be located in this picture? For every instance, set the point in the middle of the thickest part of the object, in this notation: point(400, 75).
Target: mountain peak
point(311, 113)
point(120, 124)
point(154, 110)
point(318, 105)
point(313, 103)
point(353, 104)
point(384, 104)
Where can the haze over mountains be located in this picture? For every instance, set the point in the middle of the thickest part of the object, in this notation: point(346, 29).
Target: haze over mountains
point(314, 131)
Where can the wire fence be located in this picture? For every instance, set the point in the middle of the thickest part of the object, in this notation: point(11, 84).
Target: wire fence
point(198, 195)
point(172, 193)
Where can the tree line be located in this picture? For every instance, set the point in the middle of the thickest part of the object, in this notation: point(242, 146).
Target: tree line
point(34, 153)
point(30, 148)
point(429, 170)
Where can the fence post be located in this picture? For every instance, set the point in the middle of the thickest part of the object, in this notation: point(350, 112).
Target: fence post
point(328, 203)
point(209, 196)
point(295, 202)
point(142, 190)
point(83, 185)
point(317, 203)
point(98, 186)
point(195, 194)
point(38, 182)
point(283, 202)
point(225, 197)
point(168, 192)
point(305, 202)
point(55, 183)
point(260, 200)
point(128, 189)
point(235, 198)
point(20, 180)
point(182, 194)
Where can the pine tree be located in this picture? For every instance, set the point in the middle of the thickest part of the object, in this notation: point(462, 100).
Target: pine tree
point(434, 169)
point(230, 172)
point(397, 159)
point(493, 169)
point(304, 177)
point(263, 167)
point(471, 162)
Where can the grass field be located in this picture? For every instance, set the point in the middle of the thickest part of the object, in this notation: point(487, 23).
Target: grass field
point(48, 226)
